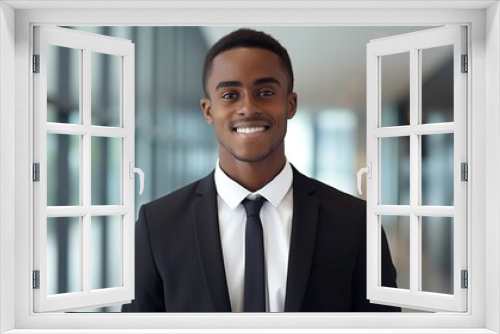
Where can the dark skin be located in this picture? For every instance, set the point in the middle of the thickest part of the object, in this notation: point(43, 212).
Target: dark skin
point(249, 106)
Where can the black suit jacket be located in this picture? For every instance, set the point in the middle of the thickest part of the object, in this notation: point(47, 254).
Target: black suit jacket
point(179, 265)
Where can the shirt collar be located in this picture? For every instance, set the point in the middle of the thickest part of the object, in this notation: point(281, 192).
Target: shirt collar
point(233, 193)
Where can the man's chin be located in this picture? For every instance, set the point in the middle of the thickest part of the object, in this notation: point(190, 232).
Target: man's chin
point(255, 155)
point(251, 158)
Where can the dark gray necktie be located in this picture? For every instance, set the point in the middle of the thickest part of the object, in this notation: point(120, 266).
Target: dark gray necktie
point(254, 299)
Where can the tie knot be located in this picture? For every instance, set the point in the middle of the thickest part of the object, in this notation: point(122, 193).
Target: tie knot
point(252, 207)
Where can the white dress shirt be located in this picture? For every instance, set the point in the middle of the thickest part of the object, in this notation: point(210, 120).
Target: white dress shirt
point(276, 217)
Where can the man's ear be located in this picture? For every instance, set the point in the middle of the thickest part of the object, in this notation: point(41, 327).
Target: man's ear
point(292, 105)
point(206, 107)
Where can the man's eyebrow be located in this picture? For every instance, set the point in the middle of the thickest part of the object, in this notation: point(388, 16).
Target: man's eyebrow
point(261, 81)
point(224, 84)
point(267, 80)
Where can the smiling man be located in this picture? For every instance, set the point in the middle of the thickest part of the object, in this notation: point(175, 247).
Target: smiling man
point(255, 235)
point(249, 102)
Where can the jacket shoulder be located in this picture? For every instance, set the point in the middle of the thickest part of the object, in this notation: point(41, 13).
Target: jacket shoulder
point(329, 194)
point(175, 196)
point(178, 200)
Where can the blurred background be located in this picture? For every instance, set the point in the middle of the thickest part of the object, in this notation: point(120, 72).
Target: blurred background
point(174, 146)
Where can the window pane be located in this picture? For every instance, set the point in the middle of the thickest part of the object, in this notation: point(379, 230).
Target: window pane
point(106, 82)
point(63, 170)
point(63, 255)
point(395, 89)
point(437, 254)
point(106, 155)
point(437, 169)
point(395, 170)
point(397, 229)
point(437, 84)
point(106, 255)
point(63, 84)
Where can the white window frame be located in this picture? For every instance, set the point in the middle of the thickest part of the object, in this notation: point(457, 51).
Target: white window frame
point(412, 44)
point(85, 43)
point(483, 21)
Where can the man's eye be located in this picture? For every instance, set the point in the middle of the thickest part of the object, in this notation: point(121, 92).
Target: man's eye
point(228, 96)
point(266, 92)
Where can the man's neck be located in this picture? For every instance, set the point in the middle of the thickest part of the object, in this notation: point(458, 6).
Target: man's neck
point(252, 175)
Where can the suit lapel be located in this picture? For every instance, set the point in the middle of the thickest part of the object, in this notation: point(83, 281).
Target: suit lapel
point(206, 227)
point(304, 223)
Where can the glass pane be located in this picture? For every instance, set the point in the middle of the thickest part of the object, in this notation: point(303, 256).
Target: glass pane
point(395, 170)
point(106, 154)
point(397, 229)
point(63, 255)
point(395, 89)
point(437, 169)
point(437, 84)
point(106, 81)
point(437, 254)
point(63, 84)
point(63, 170)
point(106, 255)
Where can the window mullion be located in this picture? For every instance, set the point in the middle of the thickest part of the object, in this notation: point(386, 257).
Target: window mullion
point(414, 171)
point(86, 169)
point(109, 210)
point(77, 129)
point(85, 112)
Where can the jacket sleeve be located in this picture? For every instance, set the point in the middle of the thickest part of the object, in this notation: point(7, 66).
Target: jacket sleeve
point(361, 303)
point(148, 283)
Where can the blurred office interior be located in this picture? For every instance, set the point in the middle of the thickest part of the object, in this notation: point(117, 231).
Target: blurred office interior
point(174, 146)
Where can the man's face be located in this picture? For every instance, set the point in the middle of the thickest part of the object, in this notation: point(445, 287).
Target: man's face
point(248, 104)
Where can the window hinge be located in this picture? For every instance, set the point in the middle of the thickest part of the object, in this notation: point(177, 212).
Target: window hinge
point(36, 279)
point(36, 172)
point(464, 171)
point(465, 64)
point(36, 63)
point(465, 279)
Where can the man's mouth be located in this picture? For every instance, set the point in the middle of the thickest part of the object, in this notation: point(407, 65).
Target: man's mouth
point(252, 129)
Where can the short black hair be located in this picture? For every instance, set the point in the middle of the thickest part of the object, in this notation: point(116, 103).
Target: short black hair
point(247, 38)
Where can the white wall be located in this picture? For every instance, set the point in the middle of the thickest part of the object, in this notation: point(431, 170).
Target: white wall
point(7, 160)
point(22, 219)
point(492, 157)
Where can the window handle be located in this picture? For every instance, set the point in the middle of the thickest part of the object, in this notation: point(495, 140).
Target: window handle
point(367, 170)
point(133, 170)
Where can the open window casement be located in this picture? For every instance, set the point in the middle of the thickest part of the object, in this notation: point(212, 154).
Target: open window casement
point(83, 170)
point(417, 164)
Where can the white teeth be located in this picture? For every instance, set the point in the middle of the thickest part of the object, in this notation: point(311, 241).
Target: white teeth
point(250, 130)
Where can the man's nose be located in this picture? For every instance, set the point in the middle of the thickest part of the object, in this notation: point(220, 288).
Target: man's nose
point(248, 106)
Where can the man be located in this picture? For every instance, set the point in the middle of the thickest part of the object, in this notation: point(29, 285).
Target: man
point(195, 246)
